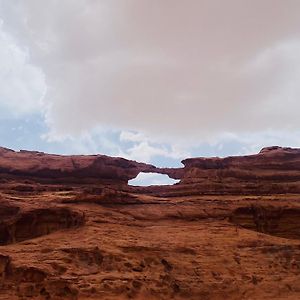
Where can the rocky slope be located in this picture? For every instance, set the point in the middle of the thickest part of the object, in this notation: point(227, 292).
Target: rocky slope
point(72, 228)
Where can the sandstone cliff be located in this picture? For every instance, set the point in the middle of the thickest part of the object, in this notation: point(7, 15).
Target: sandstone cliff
point(72, 228)
point(274, 170)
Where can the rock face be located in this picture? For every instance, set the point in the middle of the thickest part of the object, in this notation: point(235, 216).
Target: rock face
point(274, 170)
point(278, 221)
point(23, 226)
point(56, 168)
point(72, 228)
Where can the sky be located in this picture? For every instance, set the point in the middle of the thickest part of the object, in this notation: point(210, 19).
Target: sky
point(150, 80)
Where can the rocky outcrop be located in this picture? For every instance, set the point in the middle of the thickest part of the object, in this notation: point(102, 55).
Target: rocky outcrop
point(278, 221)
point(73, 169)
point(71, 228)
point(274, 170)
point(21, 226)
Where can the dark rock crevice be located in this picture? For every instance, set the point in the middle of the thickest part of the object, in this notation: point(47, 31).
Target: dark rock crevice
point(277, 221)
point(38, 222)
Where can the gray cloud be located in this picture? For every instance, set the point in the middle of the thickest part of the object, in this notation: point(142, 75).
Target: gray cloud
point(170, 68)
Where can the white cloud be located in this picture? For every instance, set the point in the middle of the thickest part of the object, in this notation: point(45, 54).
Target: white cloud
point(145, 150)
point(129, 136)
point(146, 179)
point(22, 85)
point(168, 70)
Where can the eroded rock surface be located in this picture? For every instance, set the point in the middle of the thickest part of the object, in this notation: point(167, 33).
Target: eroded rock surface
point(279, 221)
point(71, 228)
point(76, 169)
point(274, 170)
point(37, 222)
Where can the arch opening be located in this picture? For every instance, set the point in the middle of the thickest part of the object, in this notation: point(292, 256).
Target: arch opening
point(148, 179)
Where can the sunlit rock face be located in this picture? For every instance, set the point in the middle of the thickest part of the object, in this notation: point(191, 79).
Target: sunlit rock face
point(79, 227)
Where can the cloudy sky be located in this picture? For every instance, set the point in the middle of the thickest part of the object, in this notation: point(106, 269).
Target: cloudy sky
point(150, 80)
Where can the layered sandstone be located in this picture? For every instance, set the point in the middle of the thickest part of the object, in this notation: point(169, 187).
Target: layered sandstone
point(273, 170)
point(76, 168)
point(72, 228)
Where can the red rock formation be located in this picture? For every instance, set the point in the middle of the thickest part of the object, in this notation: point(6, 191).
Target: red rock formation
point(75, 168)
point(71, 228)
point(274, 170)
